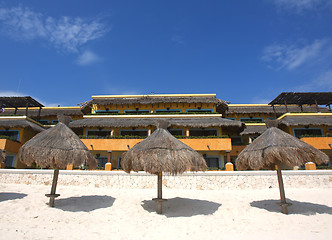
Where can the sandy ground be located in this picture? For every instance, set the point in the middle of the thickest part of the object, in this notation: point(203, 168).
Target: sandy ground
point(101, 213)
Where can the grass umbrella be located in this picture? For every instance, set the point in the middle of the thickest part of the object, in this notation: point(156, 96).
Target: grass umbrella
point(277, 148)
point(161, 152)
point(2, 156)
point(55, 147)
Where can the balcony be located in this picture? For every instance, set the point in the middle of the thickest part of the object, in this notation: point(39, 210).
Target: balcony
point(322, 143)
point(204, 144)
point(10, 146)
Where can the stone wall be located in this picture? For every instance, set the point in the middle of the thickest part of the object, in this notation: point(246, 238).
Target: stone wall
point(211, 180)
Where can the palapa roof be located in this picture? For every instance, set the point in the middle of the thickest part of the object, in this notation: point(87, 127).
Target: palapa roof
point(58, 145)
point(15, 102)
point(2, 156)
point(11, 122)
point(45, 112)
point(253, 129)
point(199, 122)
point(303, 98)
point(325, 120)
point(161, 152)
point(276, 147)
point(262, 108)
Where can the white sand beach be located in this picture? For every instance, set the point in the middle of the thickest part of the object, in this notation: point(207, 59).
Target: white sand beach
point(102, 213)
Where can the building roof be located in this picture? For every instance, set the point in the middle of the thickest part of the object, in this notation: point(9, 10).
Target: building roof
point(254, 129)
point(15, 102)
point(145, 122)
point(12, 122)
point(46, 111)
point(265, 108)
point(300, 120)
point(303, 98)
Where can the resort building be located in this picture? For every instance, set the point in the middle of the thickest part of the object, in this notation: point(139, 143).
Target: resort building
point(109, 125)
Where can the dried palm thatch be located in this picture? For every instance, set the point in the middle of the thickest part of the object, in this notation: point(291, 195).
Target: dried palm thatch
point(56, 147)
point(277, 148)
point(161, 152)
point(2, 155)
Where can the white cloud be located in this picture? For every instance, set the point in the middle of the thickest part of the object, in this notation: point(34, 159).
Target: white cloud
point(300, 6)
point(87, 58)
point(11, 94)
point(66, 33)
point(322, 83)
point(280, 56)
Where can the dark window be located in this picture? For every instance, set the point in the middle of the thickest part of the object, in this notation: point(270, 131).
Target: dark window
point(253, 120)
point(97, 133)
point(200, 110)
point(107, 111)
point(10, 161)
point(137, 111)
point(141, 133)
point(176, 132)
point(212, 162)
point(203, 132)
point(167, 111)
point(101, 161)
point(10, 133)
point(236, 140)
point(43, 121)
point(301, 132)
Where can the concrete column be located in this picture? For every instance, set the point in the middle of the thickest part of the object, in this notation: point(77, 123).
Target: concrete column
point(229, 166)
point(108, 165)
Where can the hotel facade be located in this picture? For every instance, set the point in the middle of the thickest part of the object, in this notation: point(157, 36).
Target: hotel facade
point(109, 125)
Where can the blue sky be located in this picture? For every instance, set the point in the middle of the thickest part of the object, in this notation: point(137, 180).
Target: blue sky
point(63, 52)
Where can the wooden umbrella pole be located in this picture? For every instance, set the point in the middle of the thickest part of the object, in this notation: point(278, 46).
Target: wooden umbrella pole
point(52, 196)
point(160, 194)
point(282, 191)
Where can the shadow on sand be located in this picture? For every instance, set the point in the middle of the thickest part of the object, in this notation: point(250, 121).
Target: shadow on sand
point(84, 203)
point(297, 207)
point(5, 196)
point(183, 207)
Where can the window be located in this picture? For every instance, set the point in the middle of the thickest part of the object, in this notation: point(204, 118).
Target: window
point(10, 161)
point(55, 121)
point(231, 118)
point(176, 132)
point(139, 132)
point(107, 111)
point(212, 161)
point(101, 161)
point(119, 163)
point(43, 121)
point(252, 120)
point(236, 140)
point(207, 110)
point(301, 132)
point(137, 111)
point(98, 133)
point(11, 133)
point(203, 132)
point(168, 110)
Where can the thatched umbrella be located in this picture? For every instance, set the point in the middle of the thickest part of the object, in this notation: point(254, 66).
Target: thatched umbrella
point(277, 148)
point(161, 152)
point(2, 155)
point(55, 147)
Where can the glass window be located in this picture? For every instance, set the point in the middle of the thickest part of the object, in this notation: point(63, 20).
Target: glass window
point(43, 121)
point(302, 132)
point(168, 110)
point(252, 120)
point(101, 161)
point(203, 132)
point(212, 162)
point(176, 132)
point(200, 110)
point(236, 140)
point(10, 133)
point(97, 133)
point(141, 133)
point(137, 111)
point(107, 111)
point(10, 161)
